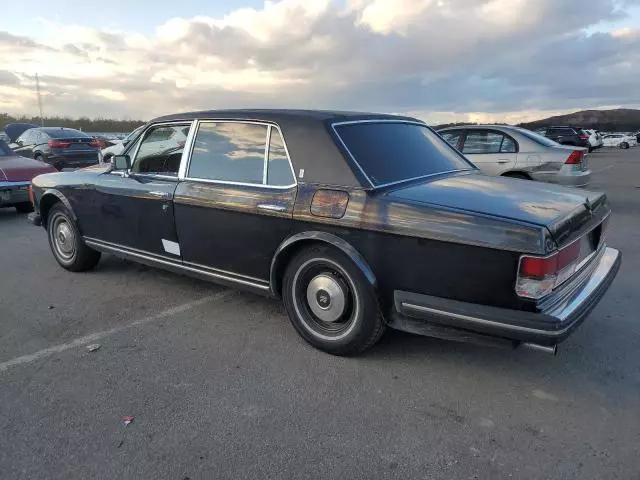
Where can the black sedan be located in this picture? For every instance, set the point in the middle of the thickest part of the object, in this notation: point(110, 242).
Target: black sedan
point(358, 221)
point(58, 146)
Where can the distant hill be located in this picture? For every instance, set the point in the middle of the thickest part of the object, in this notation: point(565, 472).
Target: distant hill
point(618, 120)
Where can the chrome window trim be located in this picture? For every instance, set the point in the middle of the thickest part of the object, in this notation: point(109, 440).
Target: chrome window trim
point(141, 138)
point(265, 167)
point(410, 122)
point(269, 126)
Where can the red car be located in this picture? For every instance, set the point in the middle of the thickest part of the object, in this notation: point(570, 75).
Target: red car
point(16, 173)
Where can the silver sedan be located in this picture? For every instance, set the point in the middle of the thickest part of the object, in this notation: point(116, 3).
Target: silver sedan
point(517, 152)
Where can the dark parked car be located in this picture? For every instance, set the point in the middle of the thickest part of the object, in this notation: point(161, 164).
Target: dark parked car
point(58, 146)
point(566, 135)
point(15, 178)
point(358, 221)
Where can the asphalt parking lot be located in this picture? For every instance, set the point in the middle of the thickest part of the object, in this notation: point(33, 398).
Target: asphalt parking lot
point(221, 386)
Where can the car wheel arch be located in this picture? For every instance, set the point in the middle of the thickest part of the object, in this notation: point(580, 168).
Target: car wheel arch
point(295, 243)
point(49, 198)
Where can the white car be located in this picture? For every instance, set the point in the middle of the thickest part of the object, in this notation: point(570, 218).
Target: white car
point(516, 152)
point(619, 140)
point(104, 155)
point(595, 139)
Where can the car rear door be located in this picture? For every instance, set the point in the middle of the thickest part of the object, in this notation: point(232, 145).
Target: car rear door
point(235, 205)
point(134, 209)
point(492, 151)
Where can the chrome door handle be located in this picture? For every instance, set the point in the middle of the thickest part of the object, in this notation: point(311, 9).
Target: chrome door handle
point(501, 162)
point(160, 194)
point(272, 207)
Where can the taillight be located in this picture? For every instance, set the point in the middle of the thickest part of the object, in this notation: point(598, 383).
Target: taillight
point(58, 143)
point(94, 143)
point(31, 195)
point(584, 136)
point(538, 276)
point(575, 158)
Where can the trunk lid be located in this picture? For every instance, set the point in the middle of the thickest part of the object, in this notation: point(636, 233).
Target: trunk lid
point(20, 169)
point(566, 213)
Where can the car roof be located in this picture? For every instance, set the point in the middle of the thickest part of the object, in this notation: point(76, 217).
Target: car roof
point(315, 154)
point(266, 114)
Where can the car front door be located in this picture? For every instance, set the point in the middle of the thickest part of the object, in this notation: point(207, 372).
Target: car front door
point(25, 143)
point(134, 209)
point(493, 152)
point(235, 205)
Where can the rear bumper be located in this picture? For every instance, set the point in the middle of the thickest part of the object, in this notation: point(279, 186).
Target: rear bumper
point(558, 318)
point(72, 161)
point(566, 178)
point(12, 193)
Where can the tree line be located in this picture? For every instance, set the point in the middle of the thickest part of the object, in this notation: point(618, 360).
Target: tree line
point(101, 125)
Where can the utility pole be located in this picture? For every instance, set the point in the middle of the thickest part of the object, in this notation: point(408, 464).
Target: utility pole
point(39, 100)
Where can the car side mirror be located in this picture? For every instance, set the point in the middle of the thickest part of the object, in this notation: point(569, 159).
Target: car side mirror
point(121, 162)
point(19, 143)
point(125, 143)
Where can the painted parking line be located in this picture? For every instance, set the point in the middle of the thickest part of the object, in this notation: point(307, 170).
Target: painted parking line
point(602, 169)
point(94, 337)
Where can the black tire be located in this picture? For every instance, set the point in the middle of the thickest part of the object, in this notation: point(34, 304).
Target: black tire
point(38, 157)
point(519, 175)
point(349, 297)
point(624, 145)
point(66, 243)
point(24, 207)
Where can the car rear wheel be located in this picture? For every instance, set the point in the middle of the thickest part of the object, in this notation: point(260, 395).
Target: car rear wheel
point(330, 303)
point(624, 145)
point(24, 207)
point(66, 243)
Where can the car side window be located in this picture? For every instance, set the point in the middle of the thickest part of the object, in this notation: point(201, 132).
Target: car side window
point(278, 170)
point(482, 141)
point(452, 138)
point(25, 138)
point(508, 145)
point(160, 151)
point(229, 152)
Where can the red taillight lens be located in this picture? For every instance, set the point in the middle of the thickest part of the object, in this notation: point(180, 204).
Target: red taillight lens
point(31, 195)
point(538, 276)
point(58, 143)
point(584, 136)
point(94, 143)
point(575, 158)
point(537, 267)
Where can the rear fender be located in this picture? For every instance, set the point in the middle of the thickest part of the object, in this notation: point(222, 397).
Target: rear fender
point(287, 249)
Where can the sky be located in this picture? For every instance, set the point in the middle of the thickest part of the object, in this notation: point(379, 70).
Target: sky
point(439, 60)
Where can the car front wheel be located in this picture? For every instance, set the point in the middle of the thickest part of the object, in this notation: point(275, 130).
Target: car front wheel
point(624, 145)
point(66, 243)
point(330, 303)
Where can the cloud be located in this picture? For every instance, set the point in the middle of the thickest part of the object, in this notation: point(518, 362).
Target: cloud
point(451, 59)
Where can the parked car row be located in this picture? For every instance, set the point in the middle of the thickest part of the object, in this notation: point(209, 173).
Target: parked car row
point(520, 153)
point(358, 222)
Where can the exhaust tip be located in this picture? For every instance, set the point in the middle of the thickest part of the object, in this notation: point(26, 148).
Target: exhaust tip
point(534, 347)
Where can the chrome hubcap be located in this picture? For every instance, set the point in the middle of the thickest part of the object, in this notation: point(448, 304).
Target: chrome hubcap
point(64, 238)
point(326, 298)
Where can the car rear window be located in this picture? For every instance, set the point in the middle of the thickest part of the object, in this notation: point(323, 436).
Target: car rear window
point(64, 132)
point(389, 152)
point(537, 137)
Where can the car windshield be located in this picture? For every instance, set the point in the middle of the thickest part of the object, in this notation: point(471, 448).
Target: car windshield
point(390, 152)
point(537, 137)
point(64, 132)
